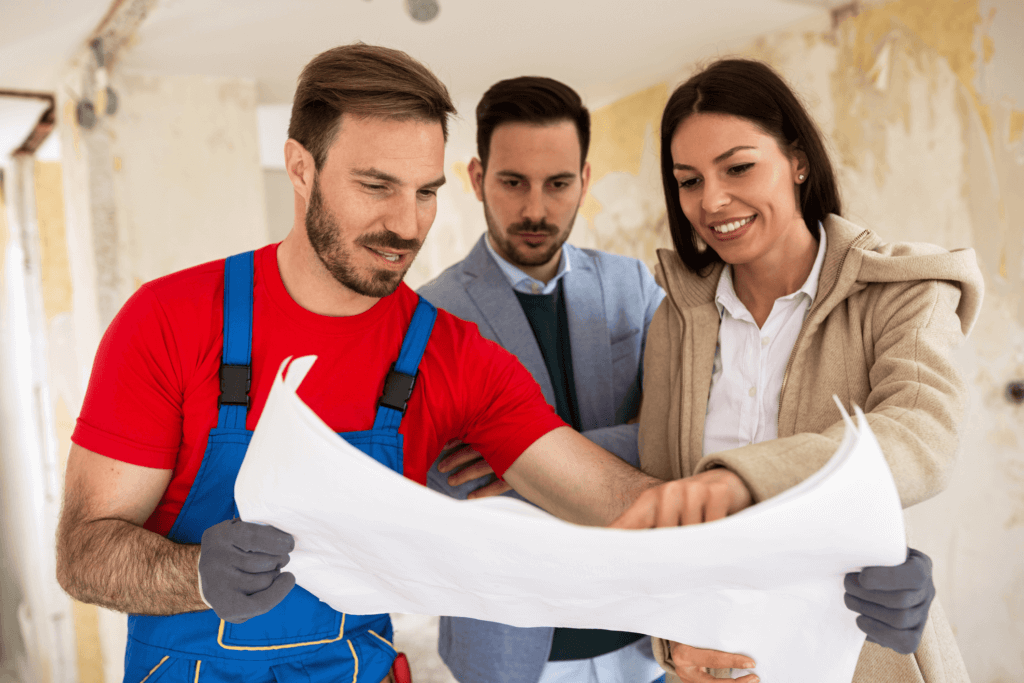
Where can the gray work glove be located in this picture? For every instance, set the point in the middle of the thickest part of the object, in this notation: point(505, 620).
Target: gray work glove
point(240, 569)
point(893, 601)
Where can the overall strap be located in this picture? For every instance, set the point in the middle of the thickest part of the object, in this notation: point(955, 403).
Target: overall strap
point(235, 368)
point(402, 377)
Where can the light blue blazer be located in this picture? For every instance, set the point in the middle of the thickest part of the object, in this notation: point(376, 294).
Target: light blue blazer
point(610, 301)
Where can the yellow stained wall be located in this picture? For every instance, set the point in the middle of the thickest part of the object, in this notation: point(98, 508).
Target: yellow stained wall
point(56, 272)
point(56, 290)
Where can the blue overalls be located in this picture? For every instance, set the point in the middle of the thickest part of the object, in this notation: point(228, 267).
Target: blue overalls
point(301, 639)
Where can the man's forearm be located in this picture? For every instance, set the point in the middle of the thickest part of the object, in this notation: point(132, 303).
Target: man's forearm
point(575, 479)
point(123, 567)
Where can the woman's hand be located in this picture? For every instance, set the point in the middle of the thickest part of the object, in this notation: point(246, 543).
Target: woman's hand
point(704, 497)
point(692, 663)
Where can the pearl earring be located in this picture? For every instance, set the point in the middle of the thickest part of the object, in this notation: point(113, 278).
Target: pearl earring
point(800, 177)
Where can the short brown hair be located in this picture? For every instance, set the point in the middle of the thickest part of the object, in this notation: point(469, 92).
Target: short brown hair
point(529, 99)
point(365, 80)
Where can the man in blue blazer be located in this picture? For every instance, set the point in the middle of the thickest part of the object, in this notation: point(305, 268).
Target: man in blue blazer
point(577, 319)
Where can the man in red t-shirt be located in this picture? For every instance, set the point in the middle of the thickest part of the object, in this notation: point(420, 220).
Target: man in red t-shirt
point(365, 156)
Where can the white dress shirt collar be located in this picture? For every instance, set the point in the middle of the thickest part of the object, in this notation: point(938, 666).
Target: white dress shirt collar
point(727, 300)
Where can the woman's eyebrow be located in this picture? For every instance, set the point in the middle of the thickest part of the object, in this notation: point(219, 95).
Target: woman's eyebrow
point(721, 157)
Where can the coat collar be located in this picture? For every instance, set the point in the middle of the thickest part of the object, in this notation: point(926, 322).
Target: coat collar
point(687, 290)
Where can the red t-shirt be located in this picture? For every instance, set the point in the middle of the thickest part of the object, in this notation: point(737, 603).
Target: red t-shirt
point(152, 396)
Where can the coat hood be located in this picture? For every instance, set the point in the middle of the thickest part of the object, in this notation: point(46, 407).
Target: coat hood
point(854, 258)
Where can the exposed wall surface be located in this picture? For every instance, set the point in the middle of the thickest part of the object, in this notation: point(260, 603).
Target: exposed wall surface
point(186, 171)
point(280, 202)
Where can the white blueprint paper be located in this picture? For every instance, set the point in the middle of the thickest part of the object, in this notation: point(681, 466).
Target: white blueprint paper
point(766, 582)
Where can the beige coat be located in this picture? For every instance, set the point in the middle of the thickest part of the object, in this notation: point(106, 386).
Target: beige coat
point(879, 335)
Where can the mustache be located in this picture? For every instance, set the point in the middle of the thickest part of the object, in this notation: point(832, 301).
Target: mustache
point(531, 227)
point(387, 240)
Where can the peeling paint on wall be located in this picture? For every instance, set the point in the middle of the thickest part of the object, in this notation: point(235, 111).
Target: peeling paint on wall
point(617, 135)
point(624, 161)
point(1016, 126)
point(87, 635)
point(461, 171)
point(880, 51)
point(53, 248)
point(618, 131)
point(946, 26)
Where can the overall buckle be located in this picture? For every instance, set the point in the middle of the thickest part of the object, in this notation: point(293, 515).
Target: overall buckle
point(234, 385)
point(397, 390)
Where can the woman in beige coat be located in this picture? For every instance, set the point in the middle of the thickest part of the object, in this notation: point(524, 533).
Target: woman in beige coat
point(775, 303)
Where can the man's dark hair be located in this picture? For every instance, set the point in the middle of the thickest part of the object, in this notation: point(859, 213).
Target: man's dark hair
point(364, 80)
point(529, 99)
point(750, 90)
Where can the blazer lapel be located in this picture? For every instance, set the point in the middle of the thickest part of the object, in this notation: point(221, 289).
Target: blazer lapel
point(590, 341)
point(500, 309)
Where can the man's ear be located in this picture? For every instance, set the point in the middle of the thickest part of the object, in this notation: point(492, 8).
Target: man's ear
point(298, 162)
point(585, 180)
point(476, 177)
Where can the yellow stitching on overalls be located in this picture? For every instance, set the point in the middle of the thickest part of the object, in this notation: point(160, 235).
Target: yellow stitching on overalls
point(166, 657)
point(355, 658)
point(374, 633)
point(220, 641)
point(198, 664)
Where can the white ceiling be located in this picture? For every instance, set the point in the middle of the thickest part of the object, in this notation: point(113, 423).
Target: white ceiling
point(39, 37)
point(598, 46)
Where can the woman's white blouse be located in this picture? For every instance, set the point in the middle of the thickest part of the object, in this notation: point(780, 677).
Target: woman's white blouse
point(750, 363)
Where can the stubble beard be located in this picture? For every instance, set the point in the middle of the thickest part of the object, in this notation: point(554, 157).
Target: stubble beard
point(323, 232)
point(499, 236)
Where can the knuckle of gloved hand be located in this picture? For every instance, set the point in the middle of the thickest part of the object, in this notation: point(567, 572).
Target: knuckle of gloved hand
point(910, 599)
point(255, 563)
point(251, 584)
point(874, 629)
point(907, 642)
point(854, 603)
point(269, 539)
point(901, 619)
point(921, 559)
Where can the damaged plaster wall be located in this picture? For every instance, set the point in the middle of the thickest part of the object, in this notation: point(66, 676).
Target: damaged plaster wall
point(186, 171)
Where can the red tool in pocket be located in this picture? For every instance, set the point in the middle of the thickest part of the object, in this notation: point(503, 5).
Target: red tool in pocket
point(400, 669)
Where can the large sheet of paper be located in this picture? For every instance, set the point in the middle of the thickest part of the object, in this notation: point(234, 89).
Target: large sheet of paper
point(766, 582)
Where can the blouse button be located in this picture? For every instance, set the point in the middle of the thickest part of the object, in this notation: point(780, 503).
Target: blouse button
point(765, 341)
point(752, 392)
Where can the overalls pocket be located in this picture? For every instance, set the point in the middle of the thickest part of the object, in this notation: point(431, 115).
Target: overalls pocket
point(149, 671)
point(299, 620)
